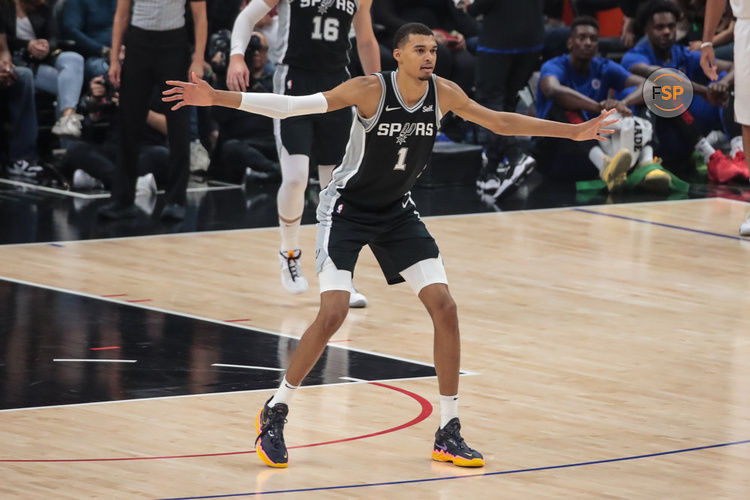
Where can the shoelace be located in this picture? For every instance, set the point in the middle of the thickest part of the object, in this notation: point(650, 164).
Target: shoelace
point(291, 263)
point(454, 432)
point(276, 423)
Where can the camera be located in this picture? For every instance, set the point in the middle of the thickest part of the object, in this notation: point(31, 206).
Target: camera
point(101, 104)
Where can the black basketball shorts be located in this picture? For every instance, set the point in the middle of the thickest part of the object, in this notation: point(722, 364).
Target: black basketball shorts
point(322, 136)
point(396, 235)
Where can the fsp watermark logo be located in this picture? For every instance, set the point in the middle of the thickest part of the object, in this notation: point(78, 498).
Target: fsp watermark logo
point(668, 92)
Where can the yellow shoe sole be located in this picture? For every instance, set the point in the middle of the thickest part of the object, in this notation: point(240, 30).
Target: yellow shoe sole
point(259, 451)
point(441, 456)
point(616, 172)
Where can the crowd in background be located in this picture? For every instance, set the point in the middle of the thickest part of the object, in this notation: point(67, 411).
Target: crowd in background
point(59, 105)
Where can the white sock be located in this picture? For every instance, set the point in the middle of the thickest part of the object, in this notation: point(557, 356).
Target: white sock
point(283, 394)
point(290, 199)
point(736, 144)
point(324, 174)
point(596, 155)
point(448, 409)
point(646, 156)
point(289, 234)
point(705, 149)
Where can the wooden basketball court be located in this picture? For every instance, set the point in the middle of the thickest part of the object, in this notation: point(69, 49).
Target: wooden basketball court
point(606, 351)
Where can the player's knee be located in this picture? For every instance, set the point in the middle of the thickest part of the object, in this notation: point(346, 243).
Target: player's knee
point(294, 184)
point(444, 307)
point(331, 319)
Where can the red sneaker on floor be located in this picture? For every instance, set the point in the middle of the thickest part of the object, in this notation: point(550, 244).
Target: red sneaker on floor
point(722, 169)
point(739, 158)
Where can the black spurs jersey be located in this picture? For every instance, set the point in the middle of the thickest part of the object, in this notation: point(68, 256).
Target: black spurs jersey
point(314, 34)
point(387, 152)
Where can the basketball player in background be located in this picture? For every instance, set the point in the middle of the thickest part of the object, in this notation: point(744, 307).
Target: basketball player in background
point(314, 38)
point(741, 10)
point(368, 202)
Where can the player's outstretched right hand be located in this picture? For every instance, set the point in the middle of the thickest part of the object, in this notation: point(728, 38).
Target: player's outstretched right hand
point(197, 93)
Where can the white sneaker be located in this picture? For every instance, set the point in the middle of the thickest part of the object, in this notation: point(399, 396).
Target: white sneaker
point(745, 227)
point(69, 126)
point(515, 175)
point(145, 185)
point(291, 272)
point(357, 300)
point(82, 180)
point(24, 168)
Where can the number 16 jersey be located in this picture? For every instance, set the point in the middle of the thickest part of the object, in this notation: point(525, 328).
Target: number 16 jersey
point(388, 151)
point(314, 34)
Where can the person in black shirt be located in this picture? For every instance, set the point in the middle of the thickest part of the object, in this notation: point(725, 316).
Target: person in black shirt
point(507, 54)
point(368, 202)
point(313, 56)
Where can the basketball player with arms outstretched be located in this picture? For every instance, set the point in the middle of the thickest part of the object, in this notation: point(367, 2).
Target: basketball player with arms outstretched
point(313, 39)
point(368, 202)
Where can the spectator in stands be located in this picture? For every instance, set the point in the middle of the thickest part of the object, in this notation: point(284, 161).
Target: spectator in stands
point(89, 24)
point(30, 29)
point(451, 26)
point(508, 52)
point(246, 140)
point(91, 162)
point(575, 87)
point(157, 50)
point(709, 110)
point(723, 41)
point(17, 89)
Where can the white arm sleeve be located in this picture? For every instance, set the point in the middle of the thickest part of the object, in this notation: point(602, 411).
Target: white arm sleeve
point(244, 24)
point(283, 106)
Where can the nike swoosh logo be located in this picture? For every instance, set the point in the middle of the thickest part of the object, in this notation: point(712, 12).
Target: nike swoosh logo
point(392, 108)
point(444, 448)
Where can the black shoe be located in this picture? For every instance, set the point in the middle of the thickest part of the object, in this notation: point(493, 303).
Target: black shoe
point(269, 425)
point(116, 210)
point(450, 447)
point(511, 175)
point(173, 211)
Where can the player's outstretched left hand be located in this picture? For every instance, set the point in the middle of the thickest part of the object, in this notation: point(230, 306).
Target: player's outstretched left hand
point(197, 93)
point(595, 128)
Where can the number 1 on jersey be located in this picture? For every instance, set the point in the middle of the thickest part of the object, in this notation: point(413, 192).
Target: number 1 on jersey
point(401, 162)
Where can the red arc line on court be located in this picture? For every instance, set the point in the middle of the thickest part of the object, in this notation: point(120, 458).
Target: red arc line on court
point(104, 348)
point(426, 412)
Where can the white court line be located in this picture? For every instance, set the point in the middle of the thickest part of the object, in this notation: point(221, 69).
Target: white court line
point(76, 194)
point(249, 367)
point(63, 360)
point(273, 228)
point(63, 192)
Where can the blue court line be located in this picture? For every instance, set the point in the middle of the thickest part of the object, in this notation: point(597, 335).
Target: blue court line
point(56, 245)
point(670, 226)
point(484, 474)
